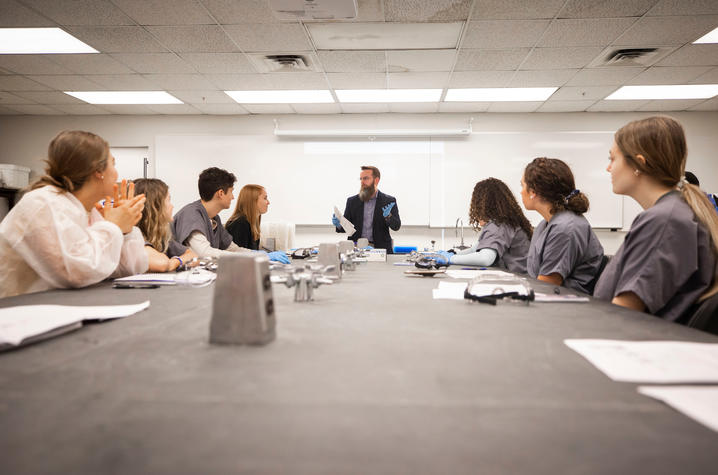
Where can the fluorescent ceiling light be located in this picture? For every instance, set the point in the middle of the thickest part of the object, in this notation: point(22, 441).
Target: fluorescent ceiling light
point(384, 36)
point(388, 95)
point(499, 94)
point(40, 41)
point(125, 97)
point(710, 37)
point(308, 96)
point(679, 91)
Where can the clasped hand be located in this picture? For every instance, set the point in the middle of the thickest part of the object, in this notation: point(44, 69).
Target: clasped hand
point(125, 209)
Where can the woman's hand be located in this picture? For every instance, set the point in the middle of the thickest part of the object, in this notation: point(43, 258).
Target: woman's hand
point(125, 214)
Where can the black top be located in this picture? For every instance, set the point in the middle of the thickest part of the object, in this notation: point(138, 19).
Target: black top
point(241, 233)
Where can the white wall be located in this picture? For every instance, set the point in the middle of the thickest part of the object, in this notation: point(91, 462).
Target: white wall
point(24, 140)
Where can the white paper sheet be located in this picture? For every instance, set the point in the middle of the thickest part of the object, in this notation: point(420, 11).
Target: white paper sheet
point(470, 274)
point(167, 278)
point(346, 224)
point(700, 403)
point(651, 361)
point(561, 298)
point(20, 323)
point(450, 290)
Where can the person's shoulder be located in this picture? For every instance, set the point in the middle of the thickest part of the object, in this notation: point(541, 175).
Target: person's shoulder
point(669, 209)
point(569, 220)
point(384, 196)
point(239, 223)
point(188, 209)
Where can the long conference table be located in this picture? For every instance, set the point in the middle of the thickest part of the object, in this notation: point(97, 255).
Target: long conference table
point(373, 376)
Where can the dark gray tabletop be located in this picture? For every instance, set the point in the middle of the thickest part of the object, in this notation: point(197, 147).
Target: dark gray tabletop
point(372, 377)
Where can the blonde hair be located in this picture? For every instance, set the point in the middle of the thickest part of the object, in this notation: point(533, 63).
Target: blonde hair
point(247, 207)
point(72, 157)
point(155, 226)
point(661, 141)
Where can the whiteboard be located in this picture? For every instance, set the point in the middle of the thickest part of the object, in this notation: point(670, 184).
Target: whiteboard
point(304, 179)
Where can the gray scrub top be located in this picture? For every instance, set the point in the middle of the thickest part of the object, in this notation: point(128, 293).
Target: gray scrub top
point(193, 217)
point(666, 259)
point(566, 245)
point(511, 245)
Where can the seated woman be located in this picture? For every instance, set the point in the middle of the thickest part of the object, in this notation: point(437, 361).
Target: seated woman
point(564, 249)
point(244, 223)
point(164, 253)
point(56, 237)
point(667, 261)
point(505, 231)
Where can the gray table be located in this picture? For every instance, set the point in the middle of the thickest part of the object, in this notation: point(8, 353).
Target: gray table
point(372, 377)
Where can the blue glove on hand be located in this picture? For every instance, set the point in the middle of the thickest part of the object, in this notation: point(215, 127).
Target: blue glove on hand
point(279, 256)
point(368, 248)
point(335, 221)
point(386, 210)
point(443, 257)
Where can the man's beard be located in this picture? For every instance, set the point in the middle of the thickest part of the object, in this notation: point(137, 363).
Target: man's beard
point(366, 192)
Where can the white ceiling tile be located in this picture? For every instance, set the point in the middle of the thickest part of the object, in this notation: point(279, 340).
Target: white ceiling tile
point(240, 11)
point(370, 10)
point(197, 98)
point(611, 76)
point(464, 106)
point(219, 63)
point(35, 109)
point(670, 105)
point(8, 111)
point(194, 38)
point(605, 8)
point(120, 82)
point(582, 93)
point(515, 9)
point(117, 39)
point(668, 75)
point(68, 82)
point(128, 109)
point(317, 108)
point(426, 10)
point(353, 61)
point(709, 105)
point(357, 108)
point(692, 55)
point(561, 58)
point(80, 12)
point(585, 32)
point(221, 109)
point(384, 36)
point(565, 106)
point(269, 37)
point(710, 77)
point(13, 14)
point(490, 59)
point(357, 80)
point(9, 98)
point(81, 109)
point(180, 82)
point(414, 108)
point(32, 64)
point(20, 83)
point(249, 82)
point(91, 64)
point(616, 106)
point(503, 33)
point(417, 80)
point(420, 60)
point(480, 78)
point(269, 108)
point(50, 97)
point(165, 12)
point(549, 78)
point(514, 106)
point(684, 7)
point(675, 30)
point(174, 109)
point(148, 63)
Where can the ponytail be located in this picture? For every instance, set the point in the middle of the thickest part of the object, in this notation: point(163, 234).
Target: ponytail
point(706, 214)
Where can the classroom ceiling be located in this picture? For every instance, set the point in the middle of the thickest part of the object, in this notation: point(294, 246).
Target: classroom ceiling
point(196, 49)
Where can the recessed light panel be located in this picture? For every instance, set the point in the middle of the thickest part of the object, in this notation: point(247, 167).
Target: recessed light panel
point(711, 37)
point(125, 97)
point(321, 96)
point(385, 36)
point(40, 41)
point(499, 94)
point(388, 95)
point(678, 91)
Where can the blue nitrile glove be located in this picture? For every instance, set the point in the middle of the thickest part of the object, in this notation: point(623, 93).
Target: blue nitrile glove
point(368, 248)
point(443, 257)
point(335, 221)
point(279, 256)
point(386, 210)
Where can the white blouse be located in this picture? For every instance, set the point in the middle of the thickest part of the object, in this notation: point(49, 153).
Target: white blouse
point(48, 240)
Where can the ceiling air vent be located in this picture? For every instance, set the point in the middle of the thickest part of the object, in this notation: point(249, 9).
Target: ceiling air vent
point(642, 57)
point(282, 63)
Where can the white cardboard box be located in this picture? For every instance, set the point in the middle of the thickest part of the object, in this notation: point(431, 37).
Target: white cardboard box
point(14, 176)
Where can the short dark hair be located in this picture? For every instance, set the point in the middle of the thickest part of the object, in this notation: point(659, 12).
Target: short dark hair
point(374, 170)
point(692, 179)
point(213, 179)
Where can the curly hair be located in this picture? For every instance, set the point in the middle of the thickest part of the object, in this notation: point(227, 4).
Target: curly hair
point(552, 180)
point(155, 226)
point(493, 201)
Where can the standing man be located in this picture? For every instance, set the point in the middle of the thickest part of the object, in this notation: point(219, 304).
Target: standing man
point(371, 212)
